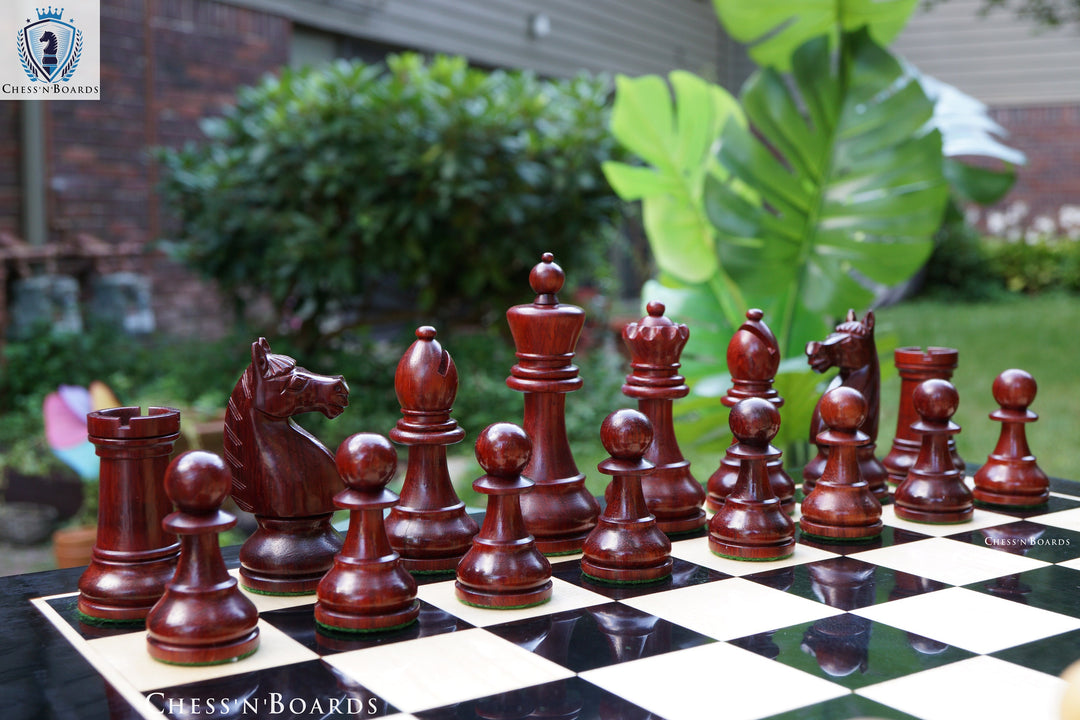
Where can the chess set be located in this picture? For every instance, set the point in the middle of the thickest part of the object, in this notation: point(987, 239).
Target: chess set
point(897, 588)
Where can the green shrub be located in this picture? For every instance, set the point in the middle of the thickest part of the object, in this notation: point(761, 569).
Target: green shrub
point(960, 267)
point(1038, 265)
point(432, 187)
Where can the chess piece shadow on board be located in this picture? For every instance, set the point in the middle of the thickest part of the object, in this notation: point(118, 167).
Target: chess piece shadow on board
point(203, 618)
point(503, 569)
point(1011, 476)
point(851, 348)
point(367, 589)
point(282, 474)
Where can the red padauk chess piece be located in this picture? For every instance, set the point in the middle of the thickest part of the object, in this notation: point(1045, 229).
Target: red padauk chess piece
point(1011, 476)
point(429, 527)
point(133, 556)
point(559, 512)
point(503, 569)
point(672, 494)
point(203, 618)
point(367, 589)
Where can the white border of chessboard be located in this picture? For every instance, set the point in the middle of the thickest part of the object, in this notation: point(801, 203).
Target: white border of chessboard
point(121, 659)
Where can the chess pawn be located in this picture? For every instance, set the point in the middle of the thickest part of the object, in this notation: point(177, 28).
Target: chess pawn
point(751, 524)
point(626, 545)
point(672, 494)
point(133, 555)
point(841, 505)
point(934, 490)
point(203, 618)
point(753, 357)
point(503, 569)
point(429, 527)
point(1011, 475)
point(915, 366)
point(559, 512)
point(367, 589)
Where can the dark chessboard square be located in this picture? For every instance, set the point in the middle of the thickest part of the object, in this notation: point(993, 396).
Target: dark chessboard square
point(843, 708)
point(1030, 539)
point(299, 690)
point(1052, 588)
point(850, 650)
point(845, 583)
point(1050, 655)
point(1054, 504)
point(570, 698)
point(67, 607)
point(593, 637)
point(889, 536)
point(683, 574)
point(299, 624)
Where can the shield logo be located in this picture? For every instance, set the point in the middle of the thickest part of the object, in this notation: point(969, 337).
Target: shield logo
point(50, 48)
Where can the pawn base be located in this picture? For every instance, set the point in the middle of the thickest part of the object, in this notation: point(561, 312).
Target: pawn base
point(361, 623)
point(852, 533)
point(489, 598)
point(1010, 500)
point(725, 548)
point(216, 654)
point(934, 518)
point(627, 575)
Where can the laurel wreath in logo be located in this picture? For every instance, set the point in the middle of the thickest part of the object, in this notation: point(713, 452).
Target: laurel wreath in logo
point(68, 70)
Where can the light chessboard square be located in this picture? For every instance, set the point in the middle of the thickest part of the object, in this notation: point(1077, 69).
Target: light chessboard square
point(697, 551)
point(564, 596)
point(979, 519)
point(949, 561)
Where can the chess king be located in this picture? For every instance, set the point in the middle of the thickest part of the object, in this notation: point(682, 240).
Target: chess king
point(282, 474)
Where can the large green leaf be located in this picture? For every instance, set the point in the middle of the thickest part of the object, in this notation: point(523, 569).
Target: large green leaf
point(850, 191)
point(774, 29)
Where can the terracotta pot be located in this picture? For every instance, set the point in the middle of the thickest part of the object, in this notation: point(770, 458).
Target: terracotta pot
point(73, 546)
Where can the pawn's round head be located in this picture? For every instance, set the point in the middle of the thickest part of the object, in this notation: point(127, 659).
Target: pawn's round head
point(1014, 389)
point(503, 449)
point(936, 399)
point(754, 421)
point(366, 461)
point(546, 277)
point(843, 409)
point(198, 482)
point(626, 434)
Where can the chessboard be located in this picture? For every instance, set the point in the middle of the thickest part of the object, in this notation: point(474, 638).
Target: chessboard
point(967, 620)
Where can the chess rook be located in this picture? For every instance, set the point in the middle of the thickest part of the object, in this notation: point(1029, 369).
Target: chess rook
point(934, 489)
point(203, 618)
point(367, 589)
point(503, 569)
point(1011, 475)
point(626, 546)
point(851, 348)
point(672, 494)
point(133, 556)
point(282, 474)
point(753, 357)
point(429, 527)
point(559, 511)
point(916, 366)
point(841, 505)
point(751, 524)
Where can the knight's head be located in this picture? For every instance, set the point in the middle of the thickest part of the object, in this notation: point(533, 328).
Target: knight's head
point(47, 36)
point(283, 389)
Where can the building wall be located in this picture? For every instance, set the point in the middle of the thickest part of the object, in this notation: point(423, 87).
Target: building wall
point(1030, 77)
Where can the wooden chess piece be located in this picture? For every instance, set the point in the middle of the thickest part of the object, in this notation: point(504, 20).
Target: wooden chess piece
point(841, 506)
point(503, 569)
point(282, 474)
point(934, 489)
point(915, 366)
point(559, 512)
point(133, 556)
point(753, 357)
point(626, 546)
point(751, 524)
point(203, 618)
point(429, 527)
point(1012, 476)
point(851, 348)
point(367, 589)
point(672, 494)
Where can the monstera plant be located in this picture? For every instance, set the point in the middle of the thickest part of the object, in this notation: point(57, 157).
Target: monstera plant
point(815, 192)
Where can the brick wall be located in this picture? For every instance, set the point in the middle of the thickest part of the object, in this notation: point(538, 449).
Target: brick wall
point(10, 191)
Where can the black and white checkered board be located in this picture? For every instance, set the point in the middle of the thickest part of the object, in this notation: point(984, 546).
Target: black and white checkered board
point(957, 621)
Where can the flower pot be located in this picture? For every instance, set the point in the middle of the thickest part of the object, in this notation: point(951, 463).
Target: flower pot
point(73, 546)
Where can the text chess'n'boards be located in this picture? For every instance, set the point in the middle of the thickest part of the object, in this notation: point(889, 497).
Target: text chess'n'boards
point(932, 621)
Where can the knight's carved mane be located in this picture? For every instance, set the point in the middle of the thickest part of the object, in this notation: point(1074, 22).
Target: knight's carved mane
point(240, 451)
point(49, 38)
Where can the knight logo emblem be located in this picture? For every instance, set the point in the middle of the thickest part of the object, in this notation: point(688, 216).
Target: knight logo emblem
point(50, 47)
